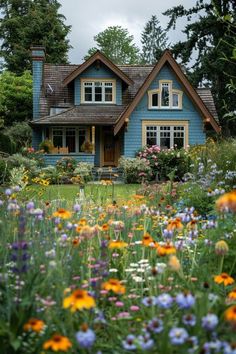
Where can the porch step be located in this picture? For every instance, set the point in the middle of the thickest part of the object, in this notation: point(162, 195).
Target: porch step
point(114, 174)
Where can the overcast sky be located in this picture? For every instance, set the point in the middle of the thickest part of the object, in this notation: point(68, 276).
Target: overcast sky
point(89, 17)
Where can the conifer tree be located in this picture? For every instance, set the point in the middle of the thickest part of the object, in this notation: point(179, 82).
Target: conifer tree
point(154, 41)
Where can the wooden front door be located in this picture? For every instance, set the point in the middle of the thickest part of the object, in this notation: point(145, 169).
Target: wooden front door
point(108, 148)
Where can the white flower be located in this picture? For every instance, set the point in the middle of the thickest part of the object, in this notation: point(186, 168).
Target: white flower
point(113, 270)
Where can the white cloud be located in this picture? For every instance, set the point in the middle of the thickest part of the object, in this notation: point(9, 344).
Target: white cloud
point(90, 17)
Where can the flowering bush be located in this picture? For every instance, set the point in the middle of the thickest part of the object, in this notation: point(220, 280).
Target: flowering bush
point(135, 169)
point(84, 170)
point(165, 162)
point(66, 164)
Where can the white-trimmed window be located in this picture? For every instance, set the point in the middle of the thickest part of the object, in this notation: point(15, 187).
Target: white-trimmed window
point(98, 91)
point(165, 134)
point(165, 97)
point(72, 137)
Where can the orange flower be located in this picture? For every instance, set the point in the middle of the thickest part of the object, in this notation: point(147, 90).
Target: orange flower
point(138, 196)
point(147, 239)
point(224, 278)
point(232, 295)
point(75, 241)
point(62, 213)
point(58, 343)
point(230, 314)
point(105, 227)
point(227, 202)
point(163, 250)
point(79, 300)
point(174, 224)
point(114, 285)
point(192, 224)
point(83, 222)
point(117, 244)
point(34, 325)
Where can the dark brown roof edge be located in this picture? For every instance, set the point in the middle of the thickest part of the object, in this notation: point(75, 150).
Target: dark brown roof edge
point(97, 56)
point(167, 57)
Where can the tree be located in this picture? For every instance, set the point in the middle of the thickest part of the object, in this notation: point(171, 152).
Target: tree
point(208, 40)
point(154, 41)
point(32, 22)
point(116, 43)
point(15, 97)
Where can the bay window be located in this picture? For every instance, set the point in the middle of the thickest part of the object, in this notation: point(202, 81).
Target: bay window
point(98, 91)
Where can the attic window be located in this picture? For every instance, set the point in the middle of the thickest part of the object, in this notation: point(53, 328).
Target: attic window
point(165, 97)
point(99, 91)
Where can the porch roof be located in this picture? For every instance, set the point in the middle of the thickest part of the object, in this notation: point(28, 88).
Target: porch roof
point(84, 114)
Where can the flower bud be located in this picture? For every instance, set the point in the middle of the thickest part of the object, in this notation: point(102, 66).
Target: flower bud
point(221, 248)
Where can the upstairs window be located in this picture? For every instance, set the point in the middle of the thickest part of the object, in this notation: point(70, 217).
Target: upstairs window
point(99, 91)
point(165, 97)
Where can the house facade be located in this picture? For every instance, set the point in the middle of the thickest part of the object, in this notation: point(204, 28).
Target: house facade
point(98, 111)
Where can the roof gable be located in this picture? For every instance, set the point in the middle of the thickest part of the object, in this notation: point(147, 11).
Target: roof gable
point(101, 57)
point(167, 58)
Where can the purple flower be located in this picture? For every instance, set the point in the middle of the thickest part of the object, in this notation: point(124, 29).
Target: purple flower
point(129, 342)
point(149, 301)
point(77, 207)
point(155, 325)
point(164, 301)
point(189, 320)
point(212, 347)
point(86, 337)
point(145, 341)
point(210, 321)
point(185, 301)
point(8, 191)
point(30, 205)
point(178, 336)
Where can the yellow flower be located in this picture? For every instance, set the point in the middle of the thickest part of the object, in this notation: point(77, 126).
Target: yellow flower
point(117, 244)
point(114, 285)
point(174, 224)
point(58, 343)
point(62, 213)
point(79, 300)
point(147, 239)
point(232, 295)
point(230, 314)
point(221, 247)
point(167, 249)
point(34, 324)
point(227, 202)
point(224, 278)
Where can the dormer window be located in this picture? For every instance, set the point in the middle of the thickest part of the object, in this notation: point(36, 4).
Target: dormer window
point(98, 91)
point(165, 97)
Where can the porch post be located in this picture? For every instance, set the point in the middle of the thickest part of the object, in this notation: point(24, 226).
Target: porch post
point(93, 138)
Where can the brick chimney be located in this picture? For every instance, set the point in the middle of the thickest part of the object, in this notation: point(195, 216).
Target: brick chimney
point(38, 57)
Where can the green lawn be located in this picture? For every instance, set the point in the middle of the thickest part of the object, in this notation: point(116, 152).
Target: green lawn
point(96, 192)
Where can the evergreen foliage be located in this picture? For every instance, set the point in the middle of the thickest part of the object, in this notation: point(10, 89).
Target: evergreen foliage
point(117, 44)
point(209, 40)
point(32, 22)
point(154, 41)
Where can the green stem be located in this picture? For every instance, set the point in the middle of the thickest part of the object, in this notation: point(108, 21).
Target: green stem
point(221, 264)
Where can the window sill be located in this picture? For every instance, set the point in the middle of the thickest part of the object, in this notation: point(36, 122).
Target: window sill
point(164, 109)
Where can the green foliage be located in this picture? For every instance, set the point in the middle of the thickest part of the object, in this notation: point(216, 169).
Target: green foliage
point(15, 99)
point(135, 170)
point(4, 172)
point(154, 41)
point(66, 164)
point(84, 170)
point(46, 145)
point(117, 44)
point(28, 22)
point(6, 144)
point(20, 133)
point(209, 39)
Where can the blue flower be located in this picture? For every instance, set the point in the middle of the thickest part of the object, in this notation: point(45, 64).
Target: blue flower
point(185, 301)
point(149, 301)
point(189, 320)
point(212, 347)
point(178, 336)
point(164, 301)
point(145, 341)
point(155, 325)
point(86, 337)
point(210, 321)
point(129, 342)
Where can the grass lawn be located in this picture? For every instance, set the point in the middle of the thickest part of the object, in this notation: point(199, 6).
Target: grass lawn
point(96, 192)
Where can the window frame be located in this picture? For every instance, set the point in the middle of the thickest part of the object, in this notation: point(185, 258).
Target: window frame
point(172, 91)
point(103, 82)
point(77, 129)
point(165, 123)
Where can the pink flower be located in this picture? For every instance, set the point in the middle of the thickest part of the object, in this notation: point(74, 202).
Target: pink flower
point(119, 304)
point(134, 308)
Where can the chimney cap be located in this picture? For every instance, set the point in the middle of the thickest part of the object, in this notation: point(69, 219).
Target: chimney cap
point(38, 52)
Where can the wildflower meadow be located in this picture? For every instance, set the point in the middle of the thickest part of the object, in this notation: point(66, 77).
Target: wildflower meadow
point(154, 272)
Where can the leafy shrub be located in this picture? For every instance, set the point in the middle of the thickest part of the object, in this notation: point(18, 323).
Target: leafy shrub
point(66, 164)
point(165, 162)
point(135, 170)
point(84, 170)
point(4, 171)
point(18, 160)
point(46, 146)
point(20, 133)
point(6, 144)
point(49, 173)
point(18, 177)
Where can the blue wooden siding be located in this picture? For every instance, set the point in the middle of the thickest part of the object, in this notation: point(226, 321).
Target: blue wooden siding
point(51, 159)
point(37, 80)
point(36, 138)
point(133, 135)
point(102, 73)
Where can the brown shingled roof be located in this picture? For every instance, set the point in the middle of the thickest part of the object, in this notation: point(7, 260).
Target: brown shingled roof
point(84, 114)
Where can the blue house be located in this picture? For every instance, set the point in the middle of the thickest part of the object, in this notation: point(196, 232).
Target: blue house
point(98, 111)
